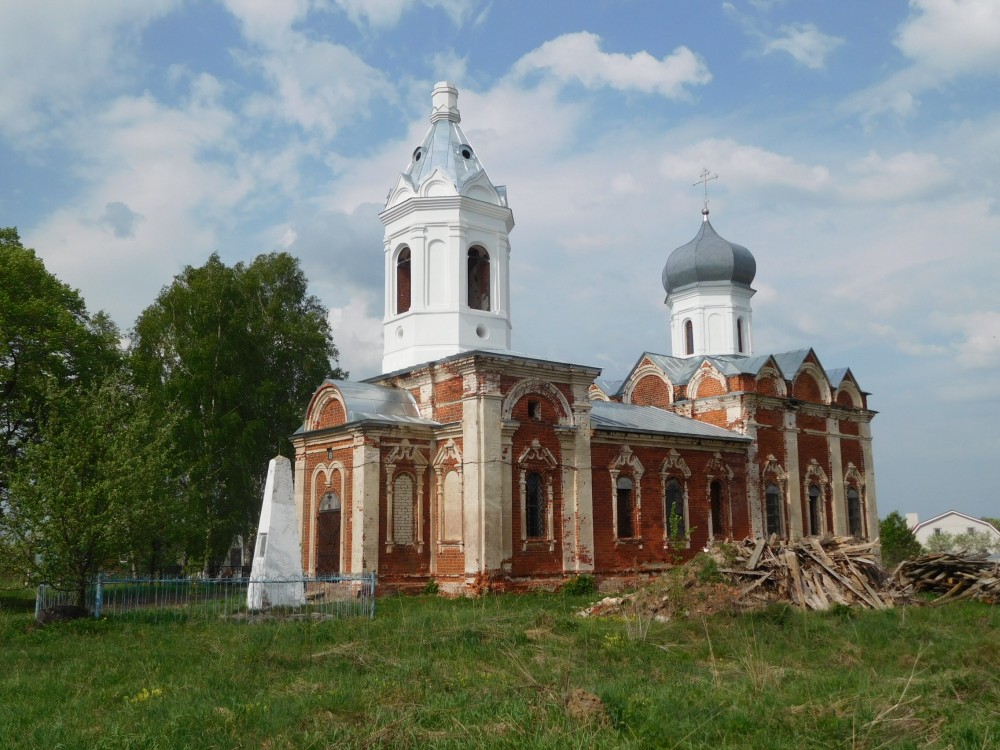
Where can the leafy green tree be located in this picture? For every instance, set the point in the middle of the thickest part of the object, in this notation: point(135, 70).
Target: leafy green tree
point(969, 542)
point(239, 350)
point(48, 342)
point(95, 489)
point(898, 541)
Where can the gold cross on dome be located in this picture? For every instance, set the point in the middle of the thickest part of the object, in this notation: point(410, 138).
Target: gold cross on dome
point(705, 176)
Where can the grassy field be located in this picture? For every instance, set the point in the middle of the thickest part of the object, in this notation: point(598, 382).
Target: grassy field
point(506, 671)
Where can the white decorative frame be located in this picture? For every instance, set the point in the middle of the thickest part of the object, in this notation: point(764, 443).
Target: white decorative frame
point(705, 372)
point(409, 454)
point(542, 388)
point(537, 456)
point(448, 458)
point(718, 470)
point(643, 372)
point(815, 475)
point(772, 467)
point(673, 465)
point(626, 460)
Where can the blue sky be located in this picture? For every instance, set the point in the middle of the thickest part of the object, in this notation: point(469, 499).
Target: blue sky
point(857, 145)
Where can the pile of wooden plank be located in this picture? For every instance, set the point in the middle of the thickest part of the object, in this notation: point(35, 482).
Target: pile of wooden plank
point(955, 577)
point(813, 573)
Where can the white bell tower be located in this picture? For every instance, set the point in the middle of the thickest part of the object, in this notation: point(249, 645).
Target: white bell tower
point(708, 294)
point(447, 252)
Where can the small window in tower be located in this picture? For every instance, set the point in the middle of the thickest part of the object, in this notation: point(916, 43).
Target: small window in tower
point(534, 410)
point(465, 150)
point(739, 335)
point(479, 279)
point(688, 337)
point(418, 154)
point(403, 281)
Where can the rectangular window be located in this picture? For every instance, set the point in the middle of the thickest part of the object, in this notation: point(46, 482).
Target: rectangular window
point(261, 545)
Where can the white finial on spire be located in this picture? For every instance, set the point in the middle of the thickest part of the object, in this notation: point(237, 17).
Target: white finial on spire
point(705, 177)
point(444, 102)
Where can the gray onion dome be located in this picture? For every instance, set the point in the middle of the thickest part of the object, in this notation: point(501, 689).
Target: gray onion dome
point(707, 258)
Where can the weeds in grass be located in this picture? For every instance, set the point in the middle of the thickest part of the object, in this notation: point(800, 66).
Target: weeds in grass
point(506, 671)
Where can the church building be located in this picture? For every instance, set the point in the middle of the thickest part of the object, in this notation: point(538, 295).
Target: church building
point(472, 465)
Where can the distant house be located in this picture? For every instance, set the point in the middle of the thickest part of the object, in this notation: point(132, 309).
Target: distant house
point(952, 522)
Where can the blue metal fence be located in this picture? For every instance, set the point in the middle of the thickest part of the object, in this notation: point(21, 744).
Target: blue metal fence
point(234, 598)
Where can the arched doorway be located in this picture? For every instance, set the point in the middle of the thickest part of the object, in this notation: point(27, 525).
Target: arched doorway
point(328, 535)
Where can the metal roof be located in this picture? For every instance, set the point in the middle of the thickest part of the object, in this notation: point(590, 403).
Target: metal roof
point(614, 417)
point(706, 258)
point(367, 402)
point(446, 147)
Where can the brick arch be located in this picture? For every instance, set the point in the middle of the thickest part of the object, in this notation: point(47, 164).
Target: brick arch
point(649, 387)
point(707, 382)
point(810, 384)
point(535, 386)
point(848, 395)
point(770, 383)
point(332, 475)
point(326, 409)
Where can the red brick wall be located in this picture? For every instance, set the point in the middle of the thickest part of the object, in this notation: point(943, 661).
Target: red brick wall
point(622, 557)
point(344, 453)
point(332, 415)
point(447, 400)
point(709, 386)
point(651, 391)
point(849, 427)
point(537, 558)
point(405, 560)
point(767, 386)
point(806, 388)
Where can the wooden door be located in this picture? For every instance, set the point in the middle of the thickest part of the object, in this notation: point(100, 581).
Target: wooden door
point(328, 535)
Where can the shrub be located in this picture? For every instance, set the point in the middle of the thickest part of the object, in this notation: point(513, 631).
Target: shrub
point(579, 585)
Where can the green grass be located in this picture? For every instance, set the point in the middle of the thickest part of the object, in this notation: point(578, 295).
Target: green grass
point(496, 672)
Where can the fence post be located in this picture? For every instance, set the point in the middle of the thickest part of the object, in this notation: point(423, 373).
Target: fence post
point(38, 600)
point(99, 596)
point(371, 589)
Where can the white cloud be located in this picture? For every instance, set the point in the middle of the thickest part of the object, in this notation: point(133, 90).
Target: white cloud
point(905, 176)
point(944, 40)
point(358, 335)
point(952, 37)
point(744, 166)
point(387, 13)
point(54, 55)
point(980, 345)
point(578, 57)
point(317, 85)
point(806, 43)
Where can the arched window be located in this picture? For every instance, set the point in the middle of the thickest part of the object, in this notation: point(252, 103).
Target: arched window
point(624, 505)
point(673, 510)
point(854, 523)
point(534, 505)
point(772, 510)
point(403, 281)
point(402, 509)
point(688, 337)
point(715, 498)
point(479, 279)
point(739, 335)
point(815, 510)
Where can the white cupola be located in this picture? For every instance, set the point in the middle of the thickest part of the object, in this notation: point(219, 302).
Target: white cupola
point(708, 294)
point(447, 252)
